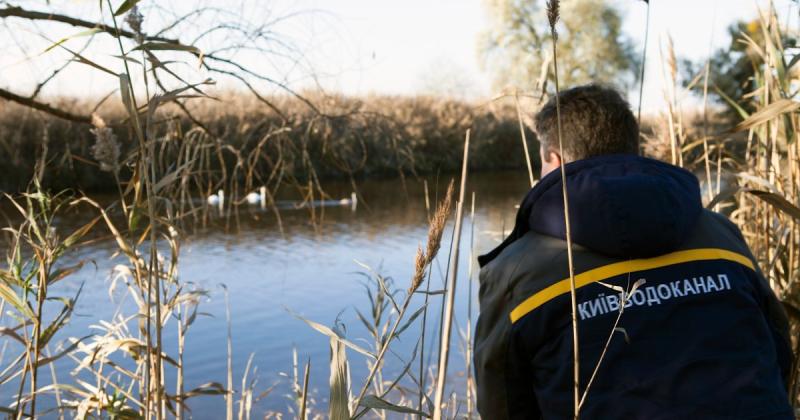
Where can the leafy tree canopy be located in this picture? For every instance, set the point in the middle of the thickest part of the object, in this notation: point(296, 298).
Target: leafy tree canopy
point(591, 46)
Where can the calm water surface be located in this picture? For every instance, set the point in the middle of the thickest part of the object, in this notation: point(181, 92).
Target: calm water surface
point(312, 270)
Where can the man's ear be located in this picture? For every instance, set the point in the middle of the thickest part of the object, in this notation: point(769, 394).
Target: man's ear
point(554, 158)
point(550, 160)
point(549, 156)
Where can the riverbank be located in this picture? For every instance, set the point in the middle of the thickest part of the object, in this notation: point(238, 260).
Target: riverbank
point(237, 136)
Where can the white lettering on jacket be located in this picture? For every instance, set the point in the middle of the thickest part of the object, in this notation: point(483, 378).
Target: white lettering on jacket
point(653, 295)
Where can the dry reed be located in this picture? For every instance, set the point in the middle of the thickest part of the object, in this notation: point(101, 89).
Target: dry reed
point(450, 290)
point(552, 17)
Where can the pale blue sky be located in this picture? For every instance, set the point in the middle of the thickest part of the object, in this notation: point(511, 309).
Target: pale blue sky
point(360, 47)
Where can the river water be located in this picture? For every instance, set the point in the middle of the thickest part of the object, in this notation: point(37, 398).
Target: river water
point(312, 270)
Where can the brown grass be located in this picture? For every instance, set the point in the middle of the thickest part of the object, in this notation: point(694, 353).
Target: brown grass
point(376, 136)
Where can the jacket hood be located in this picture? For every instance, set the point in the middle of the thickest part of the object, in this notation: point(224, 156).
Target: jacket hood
point(624, 206)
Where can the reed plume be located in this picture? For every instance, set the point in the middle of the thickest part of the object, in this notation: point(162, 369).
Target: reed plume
point(420, 262)
point(435, 229)
point(553, 14)
point(134, 19)
point(106, 149)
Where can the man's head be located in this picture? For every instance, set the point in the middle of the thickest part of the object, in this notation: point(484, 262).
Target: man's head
point(595, 120)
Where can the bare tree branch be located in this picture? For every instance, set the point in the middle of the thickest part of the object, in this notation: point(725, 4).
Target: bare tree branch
point(41, 106)
point(236, 70)
point(251, 88)
point(258, 76)
point(18, 12)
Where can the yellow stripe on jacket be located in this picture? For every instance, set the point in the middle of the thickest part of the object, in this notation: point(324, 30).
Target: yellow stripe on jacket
point(612, 270)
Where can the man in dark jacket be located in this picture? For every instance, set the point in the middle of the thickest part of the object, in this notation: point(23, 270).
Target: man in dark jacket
point(675, 319)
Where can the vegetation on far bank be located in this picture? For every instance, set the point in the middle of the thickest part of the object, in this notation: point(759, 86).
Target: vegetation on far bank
point(345, 138)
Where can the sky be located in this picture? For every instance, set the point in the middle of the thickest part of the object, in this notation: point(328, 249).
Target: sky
point(361, 47)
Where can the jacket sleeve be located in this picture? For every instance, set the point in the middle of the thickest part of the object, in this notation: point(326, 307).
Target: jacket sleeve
point(779, 326)
point(504, 389)
point(771, 306)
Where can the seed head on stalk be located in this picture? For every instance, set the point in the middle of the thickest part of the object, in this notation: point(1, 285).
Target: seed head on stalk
point(419, 270)
point(134, 19)
point(553, 13)
point(106, 149)
point(435, 230)
point(438, 222)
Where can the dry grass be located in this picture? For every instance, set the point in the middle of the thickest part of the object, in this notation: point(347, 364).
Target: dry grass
point(377, 136)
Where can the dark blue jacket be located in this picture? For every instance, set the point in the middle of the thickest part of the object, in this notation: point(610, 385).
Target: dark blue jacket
point(668, 290)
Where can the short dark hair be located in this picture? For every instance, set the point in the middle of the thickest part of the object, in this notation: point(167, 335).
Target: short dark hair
point(595, 120)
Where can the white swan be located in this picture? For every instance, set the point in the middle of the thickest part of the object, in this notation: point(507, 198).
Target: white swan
point(217, 199)
point(352, 201)
point(257, 197)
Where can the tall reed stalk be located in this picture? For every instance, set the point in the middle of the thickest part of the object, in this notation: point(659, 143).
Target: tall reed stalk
point(524, 140)
point(444, 346)
point(552, 17)
point(468, 338)
point(146, 172)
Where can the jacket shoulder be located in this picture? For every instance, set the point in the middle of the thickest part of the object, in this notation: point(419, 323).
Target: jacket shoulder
point(524, 257)
point(715, 230)
point(532, 263)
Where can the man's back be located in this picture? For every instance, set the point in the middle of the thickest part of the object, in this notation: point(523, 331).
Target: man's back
point(667, 291)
